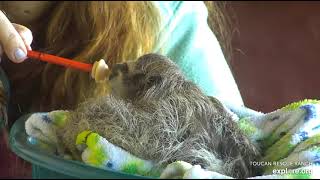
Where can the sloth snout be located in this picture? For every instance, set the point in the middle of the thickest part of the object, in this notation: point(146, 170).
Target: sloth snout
point(118, 68)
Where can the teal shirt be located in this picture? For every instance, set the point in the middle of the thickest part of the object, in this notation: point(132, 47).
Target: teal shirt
point(187, 40)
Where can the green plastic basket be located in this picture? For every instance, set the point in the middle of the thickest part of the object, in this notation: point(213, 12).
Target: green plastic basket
point(45, 165)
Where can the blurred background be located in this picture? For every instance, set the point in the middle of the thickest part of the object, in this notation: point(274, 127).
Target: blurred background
point(275, 51)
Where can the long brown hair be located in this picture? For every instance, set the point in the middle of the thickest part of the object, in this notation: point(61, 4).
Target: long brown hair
point(87, 31)
point(116, 31)
point(221, 21)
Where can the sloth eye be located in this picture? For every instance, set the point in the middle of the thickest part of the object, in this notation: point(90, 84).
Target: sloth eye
point(138, 76)
point(154, 80)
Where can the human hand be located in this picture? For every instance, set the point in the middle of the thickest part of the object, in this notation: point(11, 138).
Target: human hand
point(15, 39)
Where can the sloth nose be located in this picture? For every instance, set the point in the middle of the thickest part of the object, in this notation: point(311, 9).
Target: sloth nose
point(118, 68)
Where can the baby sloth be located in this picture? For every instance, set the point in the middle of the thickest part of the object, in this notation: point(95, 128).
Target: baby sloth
point(156, 114)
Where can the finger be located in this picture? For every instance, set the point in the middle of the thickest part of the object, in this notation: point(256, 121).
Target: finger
point(11, 42)
point(25, 34)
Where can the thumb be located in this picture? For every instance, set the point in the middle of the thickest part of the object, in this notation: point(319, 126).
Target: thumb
point(12, 43)
point(25, 34)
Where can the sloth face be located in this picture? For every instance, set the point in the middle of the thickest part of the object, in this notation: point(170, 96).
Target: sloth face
point(151, 75)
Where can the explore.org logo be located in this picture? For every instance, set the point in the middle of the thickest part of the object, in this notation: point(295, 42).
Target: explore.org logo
point(281, 168)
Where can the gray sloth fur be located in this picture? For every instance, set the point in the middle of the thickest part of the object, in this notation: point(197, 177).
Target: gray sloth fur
point(156, 114)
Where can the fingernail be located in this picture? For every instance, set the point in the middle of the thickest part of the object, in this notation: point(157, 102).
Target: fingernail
point(19, 54)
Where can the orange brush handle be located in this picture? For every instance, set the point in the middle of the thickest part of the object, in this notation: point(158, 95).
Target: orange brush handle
point(60, 61)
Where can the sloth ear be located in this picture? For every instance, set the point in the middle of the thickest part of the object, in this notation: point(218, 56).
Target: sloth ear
point(152, 80)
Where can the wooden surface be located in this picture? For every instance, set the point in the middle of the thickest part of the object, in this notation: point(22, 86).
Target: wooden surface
point(277, 52)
